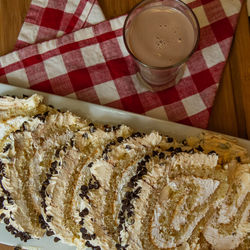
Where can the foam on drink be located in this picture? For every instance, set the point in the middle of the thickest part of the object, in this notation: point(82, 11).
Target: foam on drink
point(160, 36)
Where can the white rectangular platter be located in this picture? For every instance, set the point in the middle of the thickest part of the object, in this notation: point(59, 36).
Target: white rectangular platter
point(101, 114)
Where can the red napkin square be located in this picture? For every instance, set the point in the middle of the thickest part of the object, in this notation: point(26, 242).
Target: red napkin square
point(92, 64)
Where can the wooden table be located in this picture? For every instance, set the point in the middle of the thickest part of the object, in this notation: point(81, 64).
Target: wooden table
point(231, 111)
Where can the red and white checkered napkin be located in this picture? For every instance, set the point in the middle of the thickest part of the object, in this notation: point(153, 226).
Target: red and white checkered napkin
point(92, 63)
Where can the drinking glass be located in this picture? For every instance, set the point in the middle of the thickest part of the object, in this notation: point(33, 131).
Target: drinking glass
point(161, 77)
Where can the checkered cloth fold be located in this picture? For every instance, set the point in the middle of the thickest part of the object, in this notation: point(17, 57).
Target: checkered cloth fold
point(60, 51)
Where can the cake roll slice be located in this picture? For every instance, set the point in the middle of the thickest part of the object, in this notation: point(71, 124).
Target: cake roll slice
point(156, 205)
point(93, 194)
point(89, 144)
point(12, 160)
point(122, 157)
point(229, 225)
point(27, 163)
point(11, 107)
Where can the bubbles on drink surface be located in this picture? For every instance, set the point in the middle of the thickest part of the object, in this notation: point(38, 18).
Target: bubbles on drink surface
point(161, 43)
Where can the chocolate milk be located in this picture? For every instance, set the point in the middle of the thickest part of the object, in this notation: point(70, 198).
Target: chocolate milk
point(160, 36)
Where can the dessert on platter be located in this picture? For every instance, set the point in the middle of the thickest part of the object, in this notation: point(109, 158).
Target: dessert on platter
point(104, 186)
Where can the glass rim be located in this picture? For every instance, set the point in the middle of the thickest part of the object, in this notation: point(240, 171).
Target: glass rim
point(164, 67)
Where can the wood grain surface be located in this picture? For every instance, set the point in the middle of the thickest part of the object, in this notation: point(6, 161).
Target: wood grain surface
point(231, 110)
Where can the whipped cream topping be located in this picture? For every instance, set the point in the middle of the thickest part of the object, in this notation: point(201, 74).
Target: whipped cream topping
point(108, 187)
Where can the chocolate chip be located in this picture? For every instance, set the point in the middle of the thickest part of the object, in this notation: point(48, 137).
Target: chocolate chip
point(42, 222)
point(54, 164)
point(6, 221)
point(199, 148)
point(10, 200)
point(184, 142)
point(191, 151)
point(170, 139)
point(83, 230)
point(155, 152)
point(72, 143)
point(90, 164)
point(88, 244)
point(112, 143)
point(25, 96)
point(8, 228)
point(120, 139)
point(86, 236)
point(46, 113)
point(85, 135)
point(138, 190)
point(23, 127)
point(131, 221)
point(84, 212)
point(93, 236)
point(107, 128)
point(161, 155)
point(49, 218)
point(93, 183)
point(57, 154)
point(6, 148)
point(178, 150)
point(238, 159)
point(211, 152)
point(147, 158)
point(1, 202)
point(50, 233)
point(92, 129)
point(137, 134)
point(118, 246)
point(171, 149)
point(84, 188)
point(40, 117)
point(2, 216)
point(130, 214)
point(56, 239)
point(119, 228)
point(127, 147)
point(64, 149)
point(84, 192)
